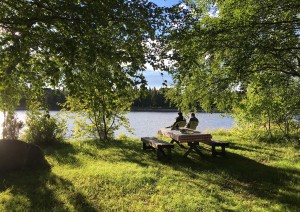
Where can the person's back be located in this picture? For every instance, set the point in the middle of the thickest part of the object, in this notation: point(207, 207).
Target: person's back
point(193, 122)
point(180, 121)
point(180, 117)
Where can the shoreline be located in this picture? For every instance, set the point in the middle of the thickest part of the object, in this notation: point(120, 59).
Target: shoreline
point(136, 110)
point(131, 110)
point(153, 110)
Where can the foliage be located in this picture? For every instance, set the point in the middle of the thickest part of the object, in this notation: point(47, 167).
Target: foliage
point(106, 94)
point(271, 103)
point(225, 49)
point(11, 126)
point(54, 98)
point(102, 176)
point(45, 43)
point(10, 94)
point(43, 129)
point(59, 43)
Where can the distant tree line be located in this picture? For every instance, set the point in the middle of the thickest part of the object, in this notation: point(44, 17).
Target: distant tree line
point(152, 98)
point(52, 99)
point(148, 98)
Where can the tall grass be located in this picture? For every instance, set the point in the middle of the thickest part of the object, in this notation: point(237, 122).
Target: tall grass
point(119, 176)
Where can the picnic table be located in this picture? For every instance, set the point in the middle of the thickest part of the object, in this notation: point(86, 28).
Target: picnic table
point(192, 138)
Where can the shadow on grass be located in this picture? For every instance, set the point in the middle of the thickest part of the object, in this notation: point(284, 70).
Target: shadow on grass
point(234, 172)
point(255, 148)
point(41, 191)
point(65, 153)
point(117, 150)
point(238, 172)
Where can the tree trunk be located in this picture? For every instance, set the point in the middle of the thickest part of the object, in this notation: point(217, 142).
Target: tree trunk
point(4, 123)
point(105, 136)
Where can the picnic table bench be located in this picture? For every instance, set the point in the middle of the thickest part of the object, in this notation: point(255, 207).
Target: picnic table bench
point(193, 138)
point(214, 144)
point(159, 146)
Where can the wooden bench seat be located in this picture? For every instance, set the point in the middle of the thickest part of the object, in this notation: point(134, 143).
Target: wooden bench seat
point(214, 144)
point(159, 146)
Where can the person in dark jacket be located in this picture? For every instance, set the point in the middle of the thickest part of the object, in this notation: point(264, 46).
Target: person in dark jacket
point(193, 122)
point(179, 122)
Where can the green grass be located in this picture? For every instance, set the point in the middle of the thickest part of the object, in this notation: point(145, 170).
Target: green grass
point(120, 176)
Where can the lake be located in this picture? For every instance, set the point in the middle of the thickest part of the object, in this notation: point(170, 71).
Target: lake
point(148, 123)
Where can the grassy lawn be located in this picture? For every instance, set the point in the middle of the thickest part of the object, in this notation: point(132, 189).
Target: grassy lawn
point(119, 176)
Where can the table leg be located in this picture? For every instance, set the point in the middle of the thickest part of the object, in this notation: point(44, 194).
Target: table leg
point(178, 144)
point(193, 146)
point(223, 150)
point(198, 150)
point(188, 152)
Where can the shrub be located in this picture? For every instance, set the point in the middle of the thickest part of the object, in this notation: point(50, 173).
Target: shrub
point(253, 132)
point(11, 126)
point(44, 129)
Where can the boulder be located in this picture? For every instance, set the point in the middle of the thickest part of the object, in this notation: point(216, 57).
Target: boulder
point(18, 155)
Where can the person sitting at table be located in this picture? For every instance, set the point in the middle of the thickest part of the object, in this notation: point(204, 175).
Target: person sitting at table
point(180, 121)
point(193, 122)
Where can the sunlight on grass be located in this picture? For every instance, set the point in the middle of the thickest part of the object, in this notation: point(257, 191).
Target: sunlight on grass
point(117, 175)
point(11, 202)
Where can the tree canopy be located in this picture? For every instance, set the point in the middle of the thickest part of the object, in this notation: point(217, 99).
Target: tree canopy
point(221, 53)
point(237, 55)
point(226, 44)
point(47, 42)
point(95, 50)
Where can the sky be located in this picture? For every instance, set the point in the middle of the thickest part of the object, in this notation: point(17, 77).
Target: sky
point(165, 3)
point(154, 78)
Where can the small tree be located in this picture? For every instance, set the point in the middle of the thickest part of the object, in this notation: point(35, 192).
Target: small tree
point(9, 99)
point(11, 126)
point(103, 98)
point(271, 104)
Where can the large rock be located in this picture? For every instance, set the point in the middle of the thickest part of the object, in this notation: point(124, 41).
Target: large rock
point(17, 155)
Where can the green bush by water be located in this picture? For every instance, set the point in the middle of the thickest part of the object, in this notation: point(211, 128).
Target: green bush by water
point(44, 129)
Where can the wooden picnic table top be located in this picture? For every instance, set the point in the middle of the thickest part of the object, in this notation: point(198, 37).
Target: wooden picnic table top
point(184, 135)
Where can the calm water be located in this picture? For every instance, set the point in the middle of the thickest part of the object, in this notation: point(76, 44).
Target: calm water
point(148, 123)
